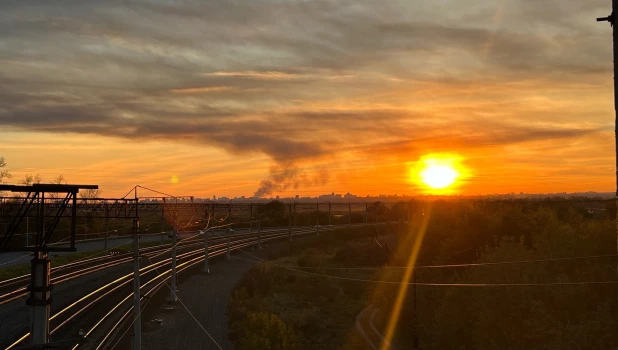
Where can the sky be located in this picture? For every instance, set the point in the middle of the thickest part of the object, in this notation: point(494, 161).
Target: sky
point(285, 97)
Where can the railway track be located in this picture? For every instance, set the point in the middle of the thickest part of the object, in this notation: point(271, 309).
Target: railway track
point(17, 287)
point(113, 300)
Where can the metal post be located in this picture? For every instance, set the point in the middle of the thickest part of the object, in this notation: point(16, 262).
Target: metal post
point(227, 249)
point(173, 277)
point(137, 322)
point(290, 222)
point(349, 214)
point(40, 220)
point(73, 219)
point(40, 290)
point(27, 231)
point(250, 218)
point(162, 216)
point(611, 20)
point(317, 218)
point(414, 313)
point(174, 242)
point(206, 266)
point(366, 212)
point(106, 234)
point(259, 224)
point(376, 214)
point(328, 214)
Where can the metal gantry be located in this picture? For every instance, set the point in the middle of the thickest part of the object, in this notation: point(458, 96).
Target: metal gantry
point(53, 208)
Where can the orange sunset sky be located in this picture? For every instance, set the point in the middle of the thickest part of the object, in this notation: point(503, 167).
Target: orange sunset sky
point(292, 97)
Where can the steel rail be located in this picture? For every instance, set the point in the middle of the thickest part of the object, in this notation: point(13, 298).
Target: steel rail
point(240, 241)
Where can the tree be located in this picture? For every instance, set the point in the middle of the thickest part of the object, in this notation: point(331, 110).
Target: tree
point(59, 180)
point(90, 194)
point(274, 210)
point(29, 179)
point(4, 174)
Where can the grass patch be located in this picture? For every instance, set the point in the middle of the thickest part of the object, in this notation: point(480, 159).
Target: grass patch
point(309, 312)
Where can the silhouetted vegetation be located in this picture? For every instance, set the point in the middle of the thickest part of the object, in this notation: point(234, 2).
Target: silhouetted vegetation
point(548, 312)
point(317, 313)
point(538, 316)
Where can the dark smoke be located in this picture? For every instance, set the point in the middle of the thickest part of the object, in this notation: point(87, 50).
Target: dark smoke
point(283, 177)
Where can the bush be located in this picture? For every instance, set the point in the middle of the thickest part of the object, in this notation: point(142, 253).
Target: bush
point(263, 331)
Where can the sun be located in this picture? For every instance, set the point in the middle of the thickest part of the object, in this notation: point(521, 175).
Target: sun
point(438, 173)
point(439, 176)
point(174, 179)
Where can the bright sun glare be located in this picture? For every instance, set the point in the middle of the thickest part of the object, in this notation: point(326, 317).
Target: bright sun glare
point(439, 176)
point(438, 173)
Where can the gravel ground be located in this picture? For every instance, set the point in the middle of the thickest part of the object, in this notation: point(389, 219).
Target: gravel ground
point(206, 296)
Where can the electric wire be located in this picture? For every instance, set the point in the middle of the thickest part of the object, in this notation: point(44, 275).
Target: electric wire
point(426, 283)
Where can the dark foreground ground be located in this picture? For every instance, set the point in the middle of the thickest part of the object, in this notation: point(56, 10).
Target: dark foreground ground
point(203, 302)
point(206, 297)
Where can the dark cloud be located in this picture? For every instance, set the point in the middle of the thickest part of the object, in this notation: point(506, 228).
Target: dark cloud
point(499, 134)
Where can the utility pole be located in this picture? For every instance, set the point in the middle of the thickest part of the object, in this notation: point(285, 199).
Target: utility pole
point(106, 232)
point(40, 292)
point(259, 235)
point(227, 252)
point(137, 322)
point(174, 240)
point(290, 222)
point(317, 218)
point(40, 286)
point(329, 214)
point(349, 214)
point(106, 228)
point(376, 214)
point(366, 212)
point(414, 313)
point(206, 267)
point(611, 20)
point(250, 218)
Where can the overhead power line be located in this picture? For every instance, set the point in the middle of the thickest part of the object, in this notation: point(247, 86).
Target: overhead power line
point(184, 306)
point(425, 283)
point(592, 257)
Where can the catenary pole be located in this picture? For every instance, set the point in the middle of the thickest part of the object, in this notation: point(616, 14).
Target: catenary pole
point(137, 321)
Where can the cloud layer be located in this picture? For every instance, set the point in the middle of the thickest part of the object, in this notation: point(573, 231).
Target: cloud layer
point(305, 81)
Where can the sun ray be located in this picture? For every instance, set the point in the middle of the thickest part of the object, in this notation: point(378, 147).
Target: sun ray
point(403, 287)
